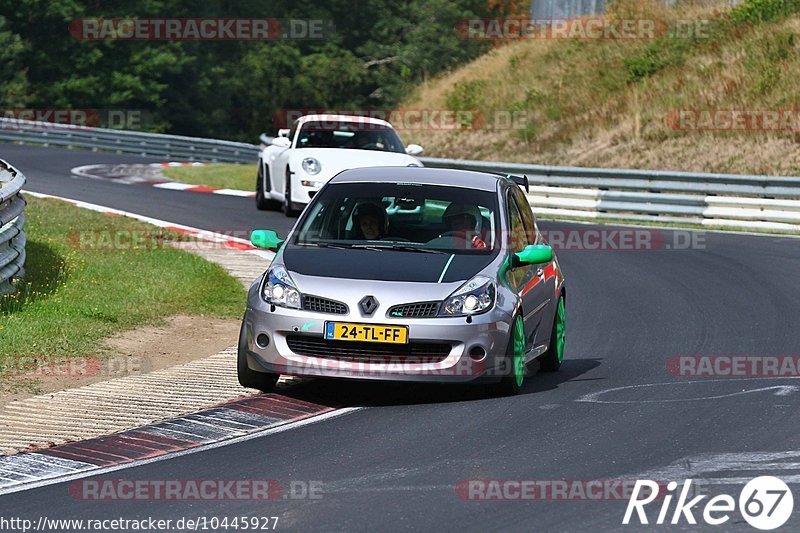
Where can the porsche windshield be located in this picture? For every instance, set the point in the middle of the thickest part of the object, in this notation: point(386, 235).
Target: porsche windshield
point(355, 135)
point(407, 217)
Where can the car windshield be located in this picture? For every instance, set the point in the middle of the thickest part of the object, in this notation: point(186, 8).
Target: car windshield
point(400, 216)
point(355, 135)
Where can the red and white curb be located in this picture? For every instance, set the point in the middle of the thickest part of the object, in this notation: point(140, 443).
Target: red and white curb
point(180, 164)
point(225, 424)
point(178, 186)
point(151, 174)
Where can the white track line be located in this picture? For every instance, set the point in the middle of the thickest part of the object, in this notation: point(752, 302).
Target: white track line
point(173, 455)
point(174, 185)
point(202, 234)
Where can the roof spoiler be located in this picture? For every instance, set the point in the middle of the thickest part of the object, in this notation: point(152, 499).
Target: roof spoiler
point(522, 181)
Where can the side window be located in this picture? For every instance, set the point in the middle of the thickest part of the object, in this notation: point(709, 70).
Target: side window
point(517, 240)
point(293, 131)
point(527, 215)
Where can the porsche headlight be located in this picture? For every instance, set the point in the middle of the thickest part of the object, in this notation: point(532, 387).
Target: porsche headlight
point(279, 289)
point(474, 297)
point(312, 166)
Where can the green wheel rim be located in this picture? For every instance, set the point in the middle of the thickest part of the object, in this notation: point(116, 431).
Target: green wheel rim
point(561, 320)
point(519, 352)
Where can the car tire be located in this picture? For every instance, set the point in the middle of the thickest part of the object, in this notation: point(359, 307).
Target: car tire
point(550, 361)
point(249, 378)
point(513, 368)
point(288, 207)
point(263, 203)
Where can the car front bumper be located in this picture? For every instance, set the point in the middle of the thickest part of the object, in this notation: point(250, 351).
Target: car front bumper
point(489, 332)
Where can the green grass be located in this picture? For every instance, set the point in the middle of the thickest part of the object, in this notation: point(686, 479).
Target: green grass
point(611, 102)
point(218, 175)
point(74, 294)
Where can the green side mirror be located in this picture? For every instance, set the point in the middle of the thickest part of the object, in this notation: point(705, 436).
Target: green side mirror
point(266, 239)
point(535, 254)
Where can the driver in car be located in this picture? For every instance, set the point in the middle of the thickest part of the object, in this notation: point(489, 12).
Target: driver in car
point(462, 224)
point(370, 222)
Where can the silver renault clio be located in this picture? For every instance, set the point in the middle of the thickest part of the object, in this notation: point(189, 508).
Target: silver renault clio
point(407, 274)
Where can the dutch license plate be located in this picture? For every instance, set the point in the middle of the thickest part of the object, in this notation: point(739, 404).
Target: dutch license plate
point(345, 331)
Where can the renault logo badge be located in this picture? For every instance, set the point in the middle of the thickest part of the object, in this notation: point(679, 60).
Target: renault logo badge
point(368, 304)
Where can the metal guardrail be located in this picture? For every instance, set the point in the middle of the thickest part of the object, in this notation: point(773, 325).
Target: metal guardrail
point(127, 142)
point(729, 200)
point(12, 220)
point(716, 200)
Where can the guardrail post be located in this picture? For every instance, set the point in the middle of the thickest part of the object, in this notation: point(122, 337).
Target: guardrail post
point(12, 221)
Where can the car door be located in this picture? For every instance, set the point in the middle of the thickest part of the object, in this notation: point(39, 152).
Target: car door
point(545, 289)
point(278, 162)
point(524, 279)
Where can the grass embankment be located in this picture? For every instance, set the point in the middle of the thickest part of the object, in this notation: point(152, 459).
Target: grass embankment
point(217, 175)
point(86, 280)
point(608, 102)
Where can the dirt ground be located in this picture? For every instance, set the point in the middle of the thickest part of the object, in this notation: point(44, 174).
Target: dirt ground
point(183, 339)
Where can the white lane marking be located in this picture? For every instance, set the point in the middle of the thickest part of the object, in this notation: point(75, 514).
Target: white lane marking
point(781, 390)
point(700, 468)
point(174, 185)
point(37, 466)
point(174, 455)
point(85, 171)
point(234, 192)
point(202, 234)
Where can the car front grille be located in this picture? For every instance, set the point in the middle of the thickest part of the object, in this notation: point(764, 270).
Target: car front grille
point(369, 352)
point(323, 305)
point(415, 310)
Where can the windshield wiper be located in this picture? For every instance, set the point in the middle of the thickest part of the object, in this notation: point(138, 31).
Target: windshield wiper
point(326, 245)
point(400, 247)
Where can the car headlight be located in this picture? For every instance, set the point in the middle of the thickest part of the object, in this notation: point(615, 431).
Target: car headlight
point(474, 297)
point(279, 289)
point(312, 166)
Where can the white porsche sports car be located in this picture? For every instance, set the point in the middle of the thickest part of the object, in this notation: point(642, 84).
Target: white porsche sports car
point(299, 161)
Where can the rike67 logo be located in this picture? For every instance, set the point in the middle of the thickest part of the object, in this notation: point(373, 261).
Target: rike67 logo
point(765, 503)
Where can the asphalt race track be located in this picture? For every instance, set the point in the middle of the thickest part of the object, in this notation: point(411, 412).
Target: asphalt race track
point(395, 465)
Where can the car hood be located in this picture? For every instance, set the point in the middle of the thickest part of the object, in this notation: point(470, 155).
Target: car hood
point(384, 265)
point(335, 160)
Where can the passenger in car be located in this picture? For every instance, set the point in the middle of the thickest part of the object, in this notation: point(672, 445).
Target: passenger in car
point(462, 224)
